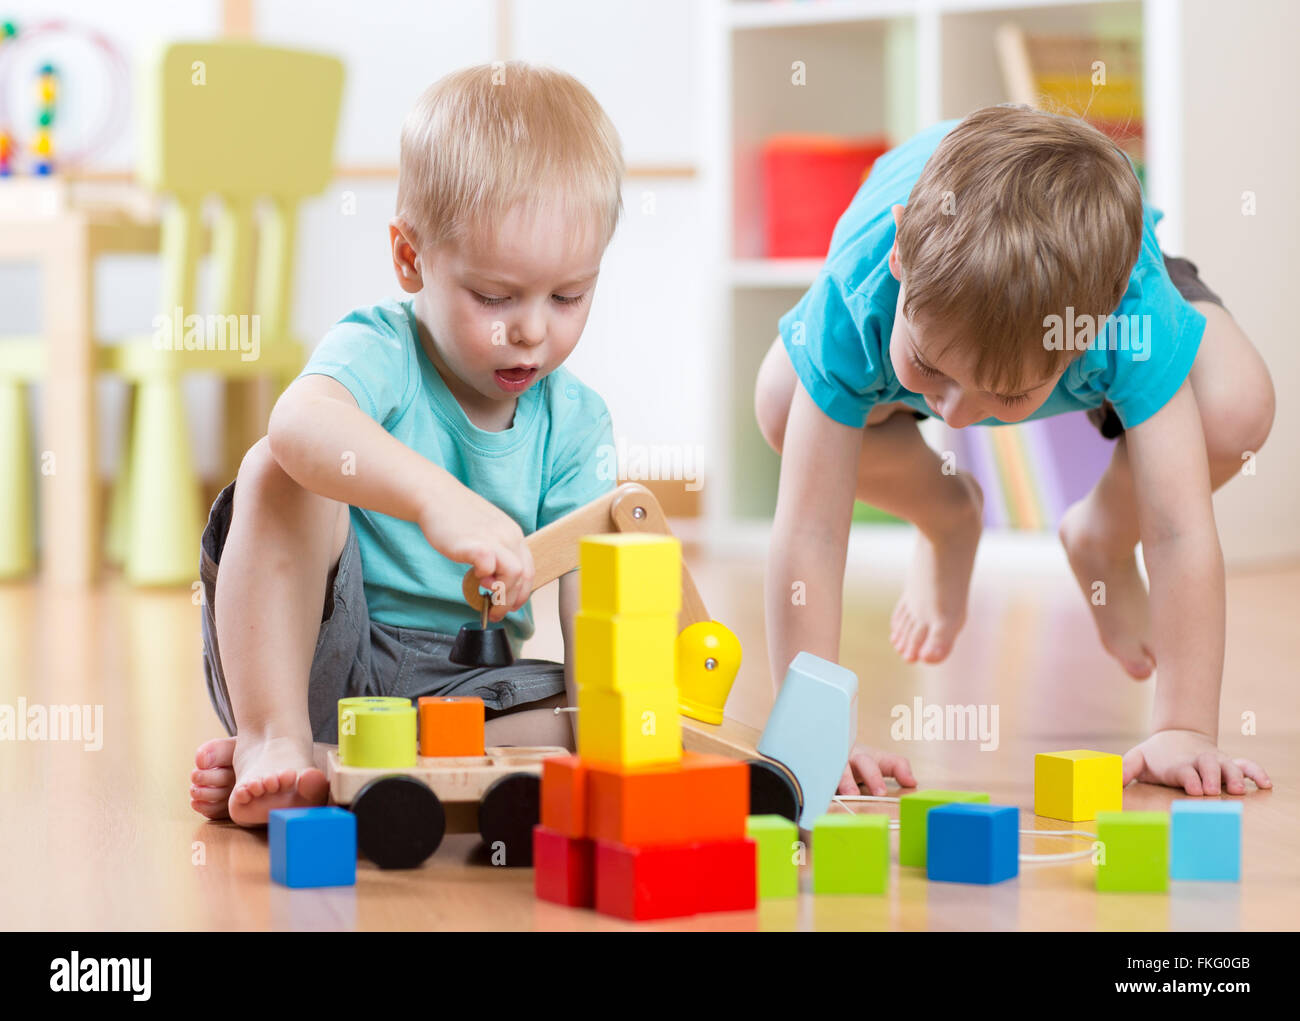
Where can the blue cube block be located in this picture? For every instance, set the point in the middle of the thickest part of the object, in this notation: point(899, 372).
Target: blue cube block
point(313, 846)
point(1205, 839)
point(968, 842)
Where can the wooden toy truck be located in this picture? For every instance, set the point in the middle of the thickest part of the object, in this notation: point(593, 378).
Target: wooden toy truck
point(402, 815)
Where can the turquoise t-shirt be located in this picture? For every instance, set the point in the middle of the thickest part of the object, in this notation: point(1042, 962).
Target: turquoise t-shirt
point(838, 334)
point(554, 458)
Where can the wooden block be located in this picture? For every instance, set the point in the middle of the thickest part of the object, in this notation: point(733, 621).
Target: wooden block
point(728, 875)
point(313, 846)
point(641, 883)
point(968, 843)
point(777, 839)
point(621, 652)
point(1135, 851)
point(1076, 785)
point(811, 728)
point(630, 572)
point(912, 810)
point(634, 728)
point(1205, 839)
point(451, 725)
point(715, 797)
point(380, 736)
point(563, 868)
point(564, 795)
point(637, 805)
point(851, 854)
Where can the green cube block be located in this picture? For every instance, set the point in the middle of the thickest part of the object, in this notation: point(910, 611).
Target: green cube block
point(912, 810)
point(778, 844)
point(851, 854)
point(1135, 851)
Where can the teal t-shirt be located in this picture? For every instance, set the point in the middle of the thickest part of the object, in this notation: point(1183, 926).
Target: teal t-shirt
point(838, 334)
point(554, 458)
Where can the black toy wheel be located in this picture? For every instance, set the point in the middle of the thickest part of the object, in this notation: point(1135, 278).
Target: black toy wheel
point(510, 809)
point(771, 791)
point(400, 822)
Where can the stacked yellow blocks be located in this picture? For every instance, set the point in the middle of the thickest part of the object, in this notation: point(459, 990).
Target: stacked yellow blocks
point(625, 665)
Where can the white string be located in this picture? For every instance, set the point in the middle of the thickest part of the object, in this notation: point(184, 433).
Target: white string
point(1031, 859)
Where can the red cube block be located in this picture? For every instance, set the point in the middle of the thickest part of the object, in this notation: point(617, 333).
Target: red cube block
point(564, 795)
point(715, 794)
point(641, 883)
point(728, 875)
point(563, 870)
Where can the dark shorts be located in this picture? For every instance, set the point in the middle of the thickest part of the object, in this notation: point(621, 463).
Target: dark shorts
point(1184, 275)
point(359, 656)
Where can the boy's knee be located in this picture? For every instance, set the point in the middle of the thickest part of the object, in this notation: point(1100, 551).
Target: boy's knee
point(259, 471)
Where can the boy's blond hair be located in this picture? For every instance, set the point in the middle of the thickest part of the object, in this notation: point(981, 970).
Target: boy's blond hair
point(483, 139)
point(1017, 215)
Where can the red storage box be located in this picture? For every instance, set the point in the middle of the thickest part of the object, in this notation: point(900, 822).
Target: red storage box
point(808, 182)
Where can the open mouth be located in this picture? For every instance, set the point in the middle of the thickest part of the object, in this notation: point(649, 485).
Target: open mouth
point(515, 380)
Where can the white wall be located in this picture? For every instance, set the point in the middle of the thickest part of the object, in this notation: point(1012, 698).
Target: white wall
point(1241, 133)
point(644, 334)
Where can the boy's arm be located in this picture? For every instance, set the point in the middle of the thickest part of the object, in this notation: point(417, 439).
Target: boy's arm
point(810, 535)
point(328, 445)
point(1180, 545)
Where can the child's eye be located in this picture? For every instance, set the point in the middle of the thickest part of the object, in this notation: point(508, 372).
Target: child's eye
point(575, 300)
point(924, 369)
point(483, 299)
point(1016, 399)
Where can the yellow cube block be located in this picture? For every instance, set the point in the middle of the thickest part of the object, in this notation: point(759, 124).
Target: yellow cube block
point(1076, 785)
point(630, 572)
point(624, 652)
point(629, 728)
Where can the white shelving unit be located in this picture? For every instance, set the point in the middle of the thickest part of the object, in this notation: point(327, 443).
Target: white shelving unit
point(909, 64)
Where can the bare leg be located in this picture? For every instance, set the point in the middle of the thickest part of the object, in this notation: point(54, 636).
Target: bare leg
point(1235, 396)
point(899, 473)
point(536, 723)
point(282, 545)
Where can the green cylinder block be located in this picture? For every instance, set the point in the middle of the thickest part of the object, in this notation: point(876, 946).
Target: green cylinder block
point(377, 736)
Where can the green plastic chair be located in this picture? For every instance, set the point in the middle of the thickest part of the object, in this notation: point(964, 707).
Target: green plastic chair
point(250, 127)
point(22, 362)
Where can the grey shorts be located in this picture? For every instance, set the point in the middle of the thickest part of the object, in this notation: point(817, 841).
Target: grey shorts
point(359, 656)
point(1186, 278)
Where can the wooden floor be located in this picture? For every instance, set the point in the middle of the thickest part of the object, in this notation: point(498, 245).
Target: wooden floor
point(106, 840)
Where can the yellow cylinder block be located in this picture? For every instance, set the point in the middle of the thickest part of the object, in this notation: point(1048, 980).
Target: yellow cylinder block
point(377, 736)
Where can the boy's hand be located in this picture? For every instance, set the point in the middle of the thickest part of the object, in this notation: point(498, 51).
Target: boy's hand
point(870, 766)
point(1190, 760)
point(468, 529)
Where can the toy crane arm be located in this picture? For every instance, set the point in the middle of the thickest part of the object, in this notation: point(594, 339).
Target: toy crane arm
point(629, 508)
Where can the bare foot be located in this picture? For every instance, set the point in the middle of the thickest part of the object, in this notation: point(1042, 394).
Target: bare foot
point(1108, 575)
point(213, 777)
point(271, 773)
point(932, 608)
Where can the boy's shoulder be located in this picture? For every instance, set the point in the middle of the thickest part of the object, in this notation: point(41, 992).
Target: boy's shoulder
point(864, 233)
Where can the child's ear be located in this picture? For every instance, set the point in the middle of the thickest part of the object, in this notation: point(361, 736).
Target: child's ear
point(895, 267)
point(406, 260)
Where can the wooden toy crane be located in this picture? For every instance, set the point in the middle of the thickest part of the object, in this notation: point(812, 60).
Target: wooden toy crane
point(708, 652)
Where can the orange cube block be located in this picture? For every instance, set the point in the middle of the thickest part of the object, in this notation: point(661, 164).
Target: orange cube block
point(564, 795)
point(715, 797)
point(636, 805)
point(451, 725)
